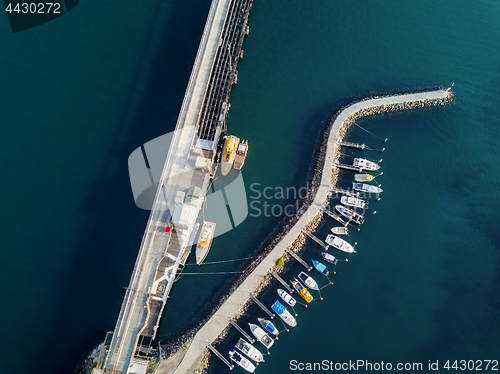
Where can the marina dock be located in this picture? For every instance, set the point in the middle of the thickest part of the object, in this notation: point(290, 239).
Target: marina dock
point(283, 283)
point(337, 164)
point(346, 117)
point(299, 260)
point(336, 217)
point(241, 331)
point(344, 192)
point(315, 238)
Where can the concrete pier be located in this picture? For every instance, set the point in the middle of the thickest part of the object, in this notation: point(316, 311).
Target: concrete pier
point(196, 135)
point(338, 126)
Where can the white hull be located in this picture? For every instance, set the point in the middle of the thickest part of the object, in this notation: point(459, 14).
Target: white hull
point(339, 244)
point(286, 297)
point(340, 230)
point(261, 335)
point(207, 235)
point(363, 187)
point(242, 361)
point(354, 202)
point(249, 350)
point(365, 164)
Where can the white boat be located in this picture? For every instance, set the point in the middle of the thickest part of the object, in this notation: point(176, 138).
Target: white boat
point(365, 164)
point(249, 350)
point(342, 230)
point(308, 281)
point(205, 241)
point(268, 326)
point(363, 177)
point(242, 361)
point(228, 154)
point(261, 335)
point(339, 244)
point(351, 215)
point(286, 297)
point(363, 187)
point(354, 202)
point(284, 314)
point(329, 258)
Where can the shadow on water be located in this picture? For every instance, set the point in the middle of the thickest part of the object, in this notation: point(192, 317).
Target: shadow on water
point(109, 242)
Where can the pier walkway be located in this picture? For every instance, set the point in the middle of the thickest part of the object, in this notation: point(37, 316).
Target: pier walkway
point(196, 136)
point(214, 326)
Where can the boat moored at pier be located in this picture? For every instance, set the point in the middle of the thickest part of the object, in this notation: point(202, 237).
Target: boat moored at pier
point(228, 154)
point(249, 350)
point(329, 258)
point(302, 291)
point(287, 297)
point(363, 177)
point(321, 268)
point(241, 155)
point(261, 335)
point(364, 164)
point(205, 241)
point(284, 314)
point(342, 230)
point(242, 361)
point(363, 187)
point(354, 202)
point(351, 215)
point(308, 281)
point(339, 244)
point(268, 326)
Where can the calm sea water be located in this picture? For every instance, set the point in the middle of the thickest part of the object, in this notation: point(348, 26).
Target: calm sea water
point(82, 92)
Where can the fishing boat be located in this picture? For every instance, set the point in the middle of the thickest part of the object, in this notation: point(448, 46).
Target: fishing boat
point(321, 268)
point(205, 241)
point(354, 202)
point(363, 187)
point(342, 230)
point(249, 350)
point(241, 155)
point(308, 281)
point(261, 335)
point(363, 177)
point(242, 361)
point(286, 297)
point(329, 258)
point(351, 215)
point(268, 326)
point(302, 291)
point(339, 244)
point(365, 164)
point(284, 314)
point(228, 154)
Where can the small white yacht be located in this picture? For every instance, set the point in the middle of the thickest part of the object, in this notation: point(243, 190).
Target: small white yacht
point(365, 164)
point(354, 202)
point(339, 244)
point(242, 361)
point(249, 350)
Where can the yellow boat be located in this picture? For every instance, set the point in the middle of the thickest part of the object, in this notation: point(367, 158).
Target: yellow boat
point(229, 153)
point(205, 241)
point(303, 292)
point(365, 177)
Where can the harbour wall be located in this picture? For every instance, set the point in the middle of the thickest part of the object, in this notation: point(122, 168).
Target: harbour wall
point(194, 356)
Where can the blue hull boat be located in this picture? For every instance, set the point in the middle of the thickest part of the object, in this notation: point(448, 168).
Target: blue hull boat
point(321, 268)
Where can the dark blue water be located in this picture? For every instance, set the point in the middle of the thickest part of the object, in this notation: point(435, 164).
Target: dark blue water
point(82, 92)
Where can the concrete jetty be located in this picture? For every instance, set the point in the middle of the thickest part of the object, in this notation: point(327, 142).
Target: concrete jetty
point(338, 126)
point(196, 137)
